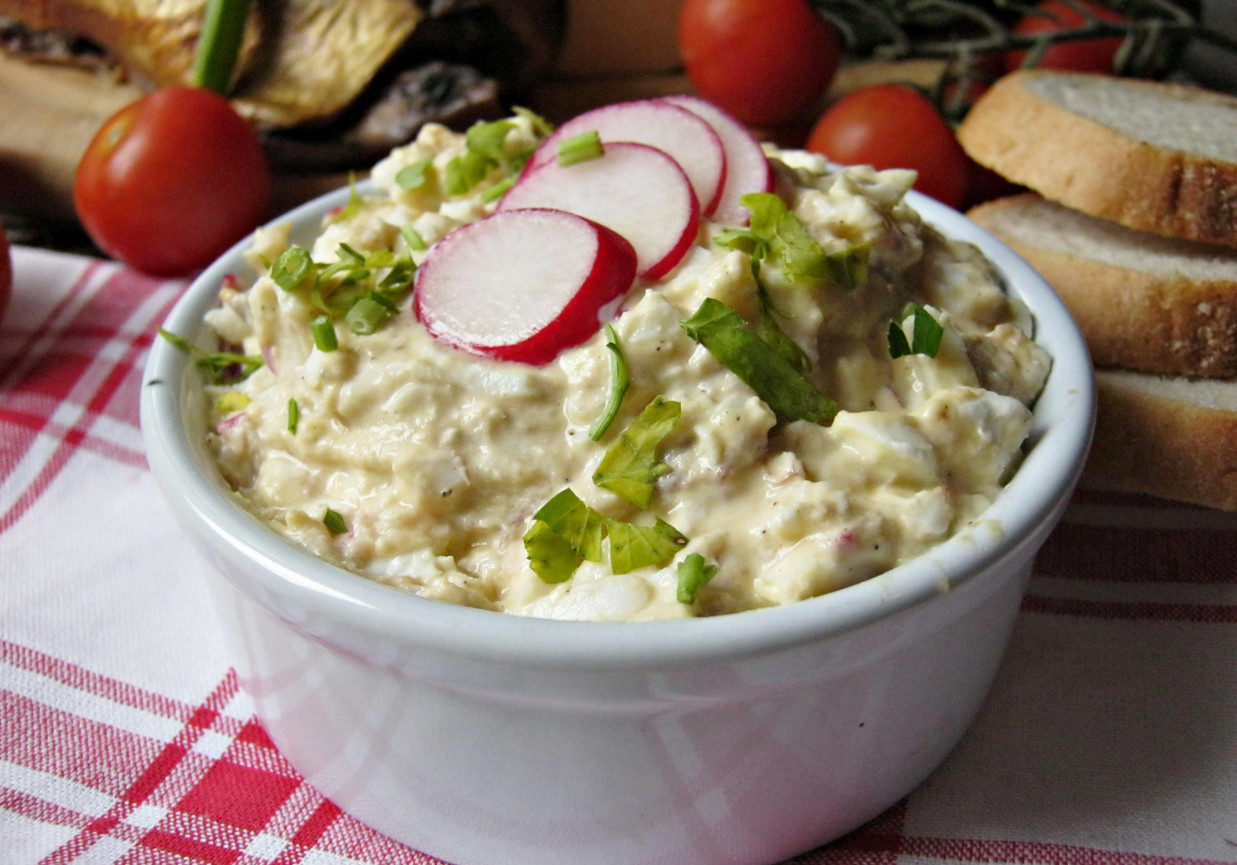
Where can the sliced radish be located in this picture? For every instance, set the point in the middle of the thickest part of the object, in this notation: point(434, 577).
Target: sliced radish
point(633, 189)
point(523, 285)
point(747, 167)
point(681, 134)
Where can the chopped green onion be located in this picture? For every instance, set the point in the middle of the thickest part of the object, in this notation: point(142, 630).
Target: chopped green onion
point(466, 171)
point(584, 147)
point(412, 239)
point(498, 190)
point(787, 391)
point(487, 139)
point(231, 401)
point(633, 546)
point(693, 574)
point(540, 126)
point(620, 381)
point(219, 44)
point(926, 333)
point(334, 522)
point(294, 416)
point(323, 330)
point(293, 268)
point(413, 176)
point(630, 466)
point(350, 209)
point(369, 314)
point(224, 366)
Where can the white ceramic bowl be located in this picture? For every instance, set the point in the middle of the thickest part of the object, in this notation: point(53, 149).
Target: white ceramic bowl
point(489, 739)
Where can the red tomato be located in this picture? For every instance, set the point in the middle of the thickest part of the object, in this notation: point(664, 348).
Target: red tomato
point(171, 181)
point(1079, 55)
point(893, 126)
point(764, 61)
point(6, 272)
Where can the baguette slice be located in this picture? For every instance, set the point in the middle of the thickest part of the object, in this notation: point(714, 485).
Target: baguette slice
point(1142, 302)
point(1152, 156)
point(1170, 437)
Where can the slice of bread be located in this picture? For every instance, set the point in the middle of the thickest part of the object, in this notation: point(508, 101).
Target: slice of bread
point(1152, 156)
point(1170, 437)
point(1142, 301)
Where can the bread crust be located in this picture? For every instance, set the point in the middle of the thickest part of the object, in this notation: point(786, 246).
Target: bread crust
point(1088, 166)
point(1170, 448)
point(1158, 323)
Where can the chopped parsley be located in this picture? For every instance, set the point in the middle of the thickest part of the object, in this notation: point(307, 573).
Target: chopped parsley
point(630, 466)
point(633, 546)
point(775, 380)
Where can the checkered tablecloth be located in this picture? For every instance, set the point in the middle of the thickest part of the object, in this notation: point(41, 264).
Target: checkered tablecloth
point(1110, 736)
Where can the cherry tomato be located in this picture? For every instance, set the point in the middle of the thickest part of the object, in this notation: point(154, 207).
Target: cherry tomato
point(893, 126)
point(1079, 55)
point(764, 61)
point(171, 181)
point(6, 272)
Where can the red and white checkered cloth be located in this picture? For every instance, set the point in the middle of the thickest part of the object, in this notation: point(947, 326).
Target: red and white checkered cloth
point(1110, 737)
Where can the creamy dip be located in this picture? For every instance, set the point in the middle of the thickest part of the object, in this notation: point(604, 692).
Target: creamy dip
point(435, 460)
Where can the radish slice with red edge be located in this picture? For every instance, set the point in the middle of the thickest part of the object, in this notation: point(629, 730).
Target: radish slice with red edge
point(523, 285)
point(747, 167)
point(633, 189)
point(681, 134)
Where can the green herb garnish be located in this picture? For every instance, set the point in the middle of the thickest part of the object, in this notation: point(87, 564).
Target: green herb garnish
point(584, 147)
point(350, 209)
point(620, 381)
point(294, 416)
point(848, 268)
point(926, 333)
point(484, 153)
point(549, 554)
point(727, 337)
point(412, 239)
point(540, 126)
point(225, 367)
point(781, 236)
point(694, 572)
point(575, 522)
point(633, 546)
point(413, 176)
point(334, 522)
point(630, 466)
point(293, 268)
point(219, 44)
point(323, 330)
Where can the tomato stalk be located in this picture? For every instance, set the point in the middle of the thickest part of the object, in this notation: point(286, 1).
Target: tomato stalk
point(223, 31)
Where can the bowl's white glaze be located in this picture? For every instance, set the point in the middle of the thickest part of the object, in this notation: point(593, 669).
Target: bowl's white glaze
point(488, 739)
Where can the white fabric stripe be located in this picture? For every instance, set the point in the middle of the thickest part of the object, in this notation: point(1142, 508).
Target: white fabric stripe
point(91, 707)
point(56, 790)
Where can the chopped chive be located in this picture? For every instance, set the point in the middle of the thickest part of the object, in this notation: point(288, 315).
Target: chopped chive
point(294, 416)
point(541, 127)
point(580, 148)
point(620, 381)
point(498, 190)
point(292, 268)
point(323, 330)
point(413, 176)
point(334, 522)
point(225, 367)
point(369, 314)
point(412, 238)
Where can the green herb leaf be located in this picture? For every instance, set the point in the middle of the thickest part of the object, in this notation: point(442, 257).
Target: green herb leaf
point(785, 237)
point(787, 391)
point(294, 416)
point(694, 572)
point(620, 381)
point(630, 466)
point(466, 171)
point(584, 147)
point(413, 176)
point(487, 139)
point(412, 239)
point(350, 209)
point(549, 554)
point(926, 334)
point(771, 332)
point(223, 31)
point(575, 522)
point(323, 330)
point(633, 546)
point(334, 522)
point(225, 367)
